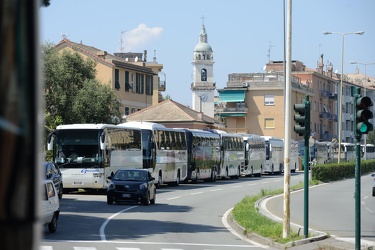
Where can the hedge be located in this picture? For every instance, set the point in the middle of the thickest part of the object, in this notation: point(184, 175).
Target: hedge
point(338, 171)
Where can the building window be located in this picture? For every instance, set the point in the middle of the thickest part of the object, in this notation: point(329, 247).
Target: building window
point(127, 83)
point(203, 75)
point(126, 110)
point(133, 110)
point(149, 88)
point(269, 123)
point(117, 79)
point(269, 100)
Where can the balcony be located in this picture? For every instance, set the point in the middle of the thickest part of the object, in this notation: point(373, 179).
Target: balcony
point(333, 117)
point(324, 94)
point(237, 111)
point(332, 96)
point(324, 115)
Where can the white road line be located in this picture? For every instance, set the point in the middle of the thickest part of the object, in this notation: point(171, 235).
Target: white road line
point(102, 227)
point(173, 198)
point(84, 248)
point(252, 184)
point(196, 193)
point(46, 248)
point(214, 190)
point(230, 229)
point(127, 248)
point(237, 187)
point(265, 182)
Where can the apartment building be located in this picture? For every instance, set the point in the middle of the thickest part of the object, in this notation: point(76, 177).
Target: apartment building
point(137, 83)
point(254, 102)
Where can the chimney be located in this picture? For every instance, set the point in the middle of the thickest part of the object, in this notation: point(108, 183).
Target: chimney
point(145, 55)
point(101, 54)
point(330, 70)
point(320, 65)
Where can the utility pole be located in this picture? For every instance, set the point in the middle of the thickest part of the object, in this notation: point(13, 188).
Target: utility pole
point(20, 125)
point(287, 130)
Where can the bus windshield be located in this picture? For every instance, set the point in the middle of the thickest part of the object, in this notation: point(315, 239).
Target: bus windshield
point(77, 147)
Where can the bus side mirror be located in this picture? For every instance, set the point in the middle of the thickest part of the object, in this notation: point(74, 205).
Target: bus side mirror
point(102, 141)
point(50, 141)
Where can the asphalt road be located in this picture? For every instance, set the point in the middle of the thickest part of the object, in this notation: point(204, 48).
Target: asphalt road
point(186, 217)
point(332, 209)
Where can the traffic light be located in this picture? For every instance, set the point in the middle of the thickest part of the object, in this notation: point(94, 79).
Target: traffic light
point(363, 114)
point(302, 119)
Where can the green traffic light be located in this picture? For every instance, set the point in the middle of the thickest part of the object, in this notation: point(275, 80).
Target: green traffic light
point(364, 127)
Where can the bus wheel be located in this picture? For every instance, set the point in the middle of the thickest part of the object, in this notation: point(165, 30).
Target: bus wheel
point(196, 176)
point(160, 180)
point(177, 182)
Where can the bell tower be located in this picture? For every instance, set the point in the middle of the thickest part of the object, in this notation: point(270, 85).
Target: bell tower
point(203, 86)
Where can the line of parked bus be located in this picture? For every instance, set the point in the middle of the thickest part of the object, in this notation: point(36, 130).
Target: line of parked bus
point(88, 153)
point(324, 152)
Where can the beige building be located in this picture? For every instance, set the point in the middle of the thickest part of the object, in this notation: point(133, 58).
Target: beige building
point(137, 83)
point(254, 102)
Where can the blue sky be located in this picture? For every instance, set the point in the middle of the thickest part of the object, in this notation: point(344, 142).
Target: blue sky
point(240, 32)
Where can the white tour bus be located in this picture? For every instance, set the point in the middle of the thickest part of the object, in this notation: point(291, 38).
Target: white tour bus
point(255, 155)
point(203, 154)
point(274, 155)
point(167, 150)
point(88, 153)
point(231, 154)
point(294, 156)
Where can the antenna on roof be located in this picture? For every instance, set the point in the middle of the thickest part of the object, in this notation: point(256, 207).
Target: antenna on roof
point(269, 51)
point(64, 35)
point(122, 42)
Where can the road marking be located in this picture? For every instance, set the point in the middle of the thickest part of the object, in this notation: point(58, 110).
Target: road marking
point(214, 190)
point(253, 184)
point(173, 198)
point(84, 248)
point(265, 182)
point(230, 229)
point(127, 248)
point(237, 187)
point(45, 248)
point(102, 227)
point(196, 193)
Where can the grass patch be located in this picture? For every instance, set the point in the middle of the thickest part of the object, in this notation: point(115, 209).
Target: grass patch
point(247, 215)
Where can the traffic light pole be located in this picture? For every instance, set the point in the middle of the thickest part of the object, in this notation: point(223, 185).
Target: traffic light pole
point(306, 167)
point(357, 178)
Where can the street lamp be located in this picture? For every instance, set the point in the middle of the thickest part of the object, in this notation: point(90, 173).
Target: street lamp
point(364, 93)
point(342, 74)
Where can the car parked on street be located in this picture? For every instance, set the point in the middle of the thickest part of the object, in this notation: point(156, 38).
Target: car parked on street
point(53, 173)
point(132, 185)
point(50, 205)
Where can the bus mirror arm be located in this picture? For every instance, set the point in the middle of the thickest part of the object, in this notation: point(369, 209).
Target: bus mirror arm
point(50, 140)
point(102, 141)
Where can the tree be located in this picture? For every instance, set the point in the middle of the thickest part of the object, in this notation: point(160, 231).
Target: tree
point(371, 137)
point(71, 92)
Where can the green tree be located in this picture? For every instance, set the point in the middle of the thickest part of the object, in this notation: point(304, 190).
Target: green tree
point(71, 92)
point(370, 139)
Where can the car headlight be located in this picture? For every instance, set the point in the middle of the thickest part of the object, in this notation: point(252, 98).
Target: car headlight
point(111, 185)
point(143, 186)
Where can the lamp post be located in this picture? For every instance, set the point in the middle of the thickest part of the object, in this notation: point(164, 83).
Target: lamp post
point(364, 93)
point(342, 74)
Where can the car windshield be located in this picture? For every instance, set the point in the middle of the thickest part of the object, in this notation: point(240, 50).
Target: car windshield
point(129, 175)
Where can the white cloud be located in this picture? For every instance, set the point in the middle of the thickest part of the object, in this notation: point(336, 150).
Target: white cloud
point(139, 37)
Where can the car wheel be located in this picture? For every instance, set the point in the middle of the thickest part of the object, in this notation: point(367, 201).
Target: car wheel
point(152, 201)
point(147, 201)
point(109, 200)
point(52, 226)
point(60, 191)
